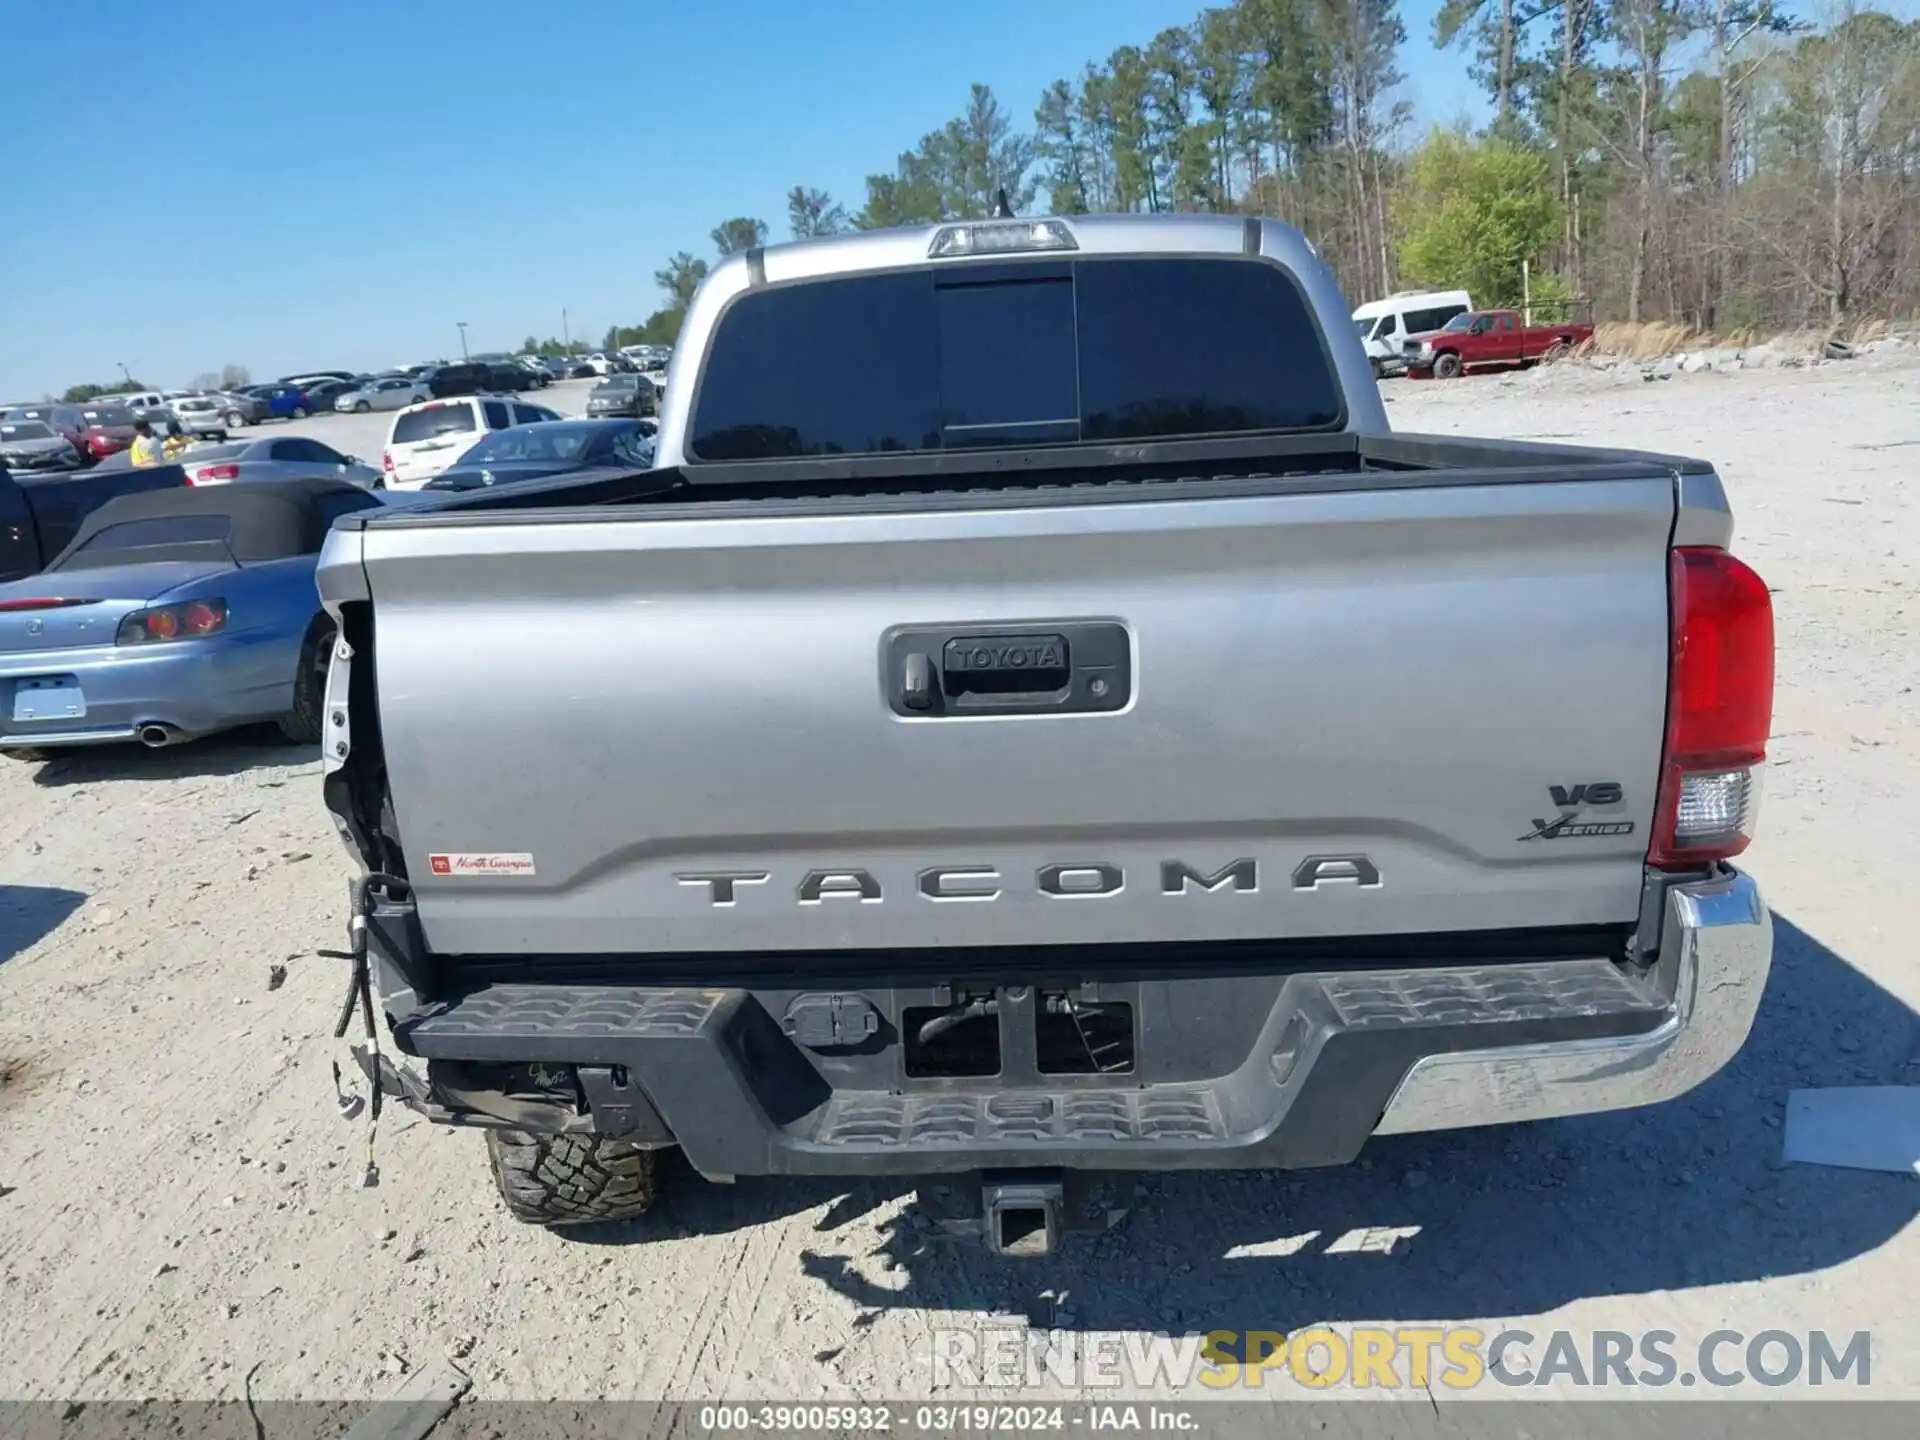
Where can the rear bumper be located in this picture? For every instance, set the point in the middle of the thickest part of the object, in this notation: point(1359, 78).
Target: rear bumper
point(1340, 1056)
point(193, 688)
point(1716, 949)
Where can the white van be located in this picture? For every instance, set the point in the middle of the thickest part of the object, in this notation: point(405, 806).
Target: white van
point(426, 438)
point(1384, 324)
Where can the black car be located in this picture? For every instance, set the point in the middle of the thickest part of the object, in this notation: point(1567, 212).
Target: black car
point(623, 395)
point(557, 447)
point(506, 375)
point(322, 393)
point(462, 377)
point(40, 513)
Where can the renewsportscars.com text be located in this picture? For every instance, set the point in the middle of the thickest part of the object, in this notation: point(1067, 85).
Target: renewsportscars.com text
point(1407, 1357)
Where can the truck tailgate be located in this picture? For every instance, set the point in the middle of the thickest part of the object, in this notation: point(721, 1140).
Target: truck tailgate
point(1336, 714)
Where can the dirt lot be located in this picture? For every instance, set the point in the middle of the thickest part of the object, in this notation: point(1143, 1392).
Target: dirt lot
point(178, 1198)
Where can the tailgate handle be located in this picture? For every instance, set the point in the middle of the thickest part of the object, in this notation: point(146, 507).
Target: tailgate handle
point(1009, 668)
point(1017, 668)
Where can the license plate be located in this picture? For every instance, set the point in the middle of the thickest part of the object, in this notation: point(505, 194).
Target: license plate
point(57, 698)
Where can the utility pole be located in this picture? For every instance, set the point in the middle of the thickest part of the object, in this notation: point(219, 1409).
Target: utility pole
point(124, 374)
point(566, 339)
point(463, 339)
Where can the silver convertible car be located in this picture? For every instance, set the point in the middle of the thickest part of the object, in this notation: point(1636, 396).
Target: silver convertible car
point(172, 614)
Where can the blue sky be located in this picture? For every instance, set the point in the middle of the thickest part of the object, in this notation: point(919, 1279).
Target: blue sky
point(335, 185)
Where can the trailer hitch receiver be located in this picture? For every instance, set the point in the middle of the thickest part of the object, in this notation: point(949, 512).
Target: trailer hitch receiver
point(1025, 1214)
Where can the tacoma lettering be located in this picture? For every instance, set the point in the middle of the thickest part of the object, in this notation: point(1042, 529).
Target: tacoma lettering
point(1064, 880)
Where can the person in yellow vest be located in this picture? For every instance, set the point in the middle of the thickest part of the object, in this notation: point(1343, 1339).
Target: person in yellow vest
point(176, 441)
point(146, 444)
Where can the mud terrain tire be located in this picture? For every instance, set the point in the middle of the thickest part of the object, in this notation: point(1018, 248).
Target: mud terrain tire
point(571, 1179)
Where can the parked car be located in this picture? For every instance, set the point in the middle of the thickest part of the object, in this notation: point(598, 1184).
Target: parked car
point(179, 612)
point(601, 363)
point(459, 377)
point(310, 377)
point(527, 452)
point(426, 439)
point(109, 429)
point(203, 415)
point(41, 511)
point(390, 392)
point(322, 395)
point(1489, 337)
point(280, 457)
point(538, 376)
point(283, 401)
point(239, 409)
point(64, 419)
point(35, 445)
point(506, 376)
point(978, 849)
point(623, 395)
point(582, 368)
point(1385, 325)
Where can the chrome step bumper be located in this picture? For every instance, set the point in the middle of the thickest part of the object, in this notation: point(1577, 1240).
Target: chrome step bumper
point(1716, 949)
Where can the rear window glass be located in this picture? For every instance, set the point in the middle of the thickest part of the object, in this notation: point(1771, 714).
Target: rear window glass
point(434, 420)
point(1422, 320)
point(108, 415)
point(544, 442)
point(112, 544)
point(964, 357)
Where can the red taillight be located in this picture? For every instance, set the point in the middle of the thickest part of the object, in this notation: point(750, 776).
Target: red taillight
point(1719, 709)
point(386, 461)
point(213, 474)
point(173, 622)
point(200, 618)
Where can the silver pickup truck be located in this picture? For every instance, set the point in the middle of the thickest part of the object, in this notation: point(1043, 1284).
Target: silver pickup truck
point(1038, 723)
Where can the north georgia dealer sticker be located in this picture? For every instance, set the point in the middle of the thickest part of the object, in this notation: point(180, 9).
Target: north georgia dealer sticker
point(480, 863)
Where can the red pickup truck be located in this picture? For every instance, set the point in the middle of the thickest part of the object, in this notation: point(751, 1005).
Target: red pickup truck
point(1489, 337)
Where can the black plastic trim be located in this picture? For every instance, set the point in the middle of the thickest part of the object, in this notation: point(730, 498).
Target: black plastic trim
point(1048, 476)
point(1266, 1071)
point(832, 969)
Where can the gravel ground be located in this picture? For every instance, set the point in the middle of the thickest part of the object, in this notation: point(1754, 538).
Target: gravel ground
point(178, 1197)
